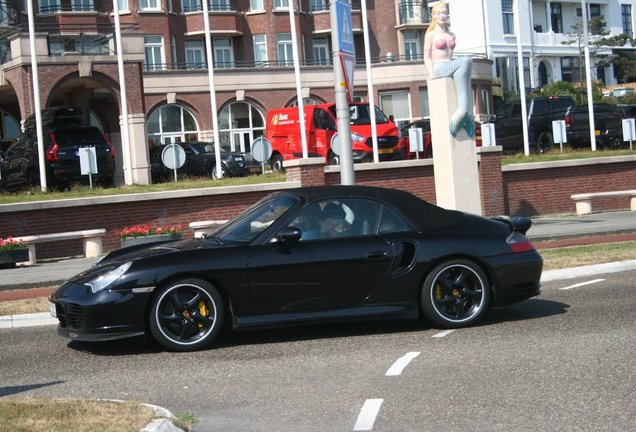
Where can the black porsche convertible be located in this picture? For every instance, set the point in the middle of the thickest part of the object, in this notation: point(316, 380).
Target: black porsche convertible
point(307, 255)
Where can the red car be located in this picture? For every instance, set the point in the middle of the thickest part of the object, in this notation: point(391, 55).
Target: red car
point(404, 142)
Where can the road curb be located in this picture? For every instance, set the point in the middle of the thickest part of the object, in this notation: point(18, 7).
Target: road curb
point(591, 270)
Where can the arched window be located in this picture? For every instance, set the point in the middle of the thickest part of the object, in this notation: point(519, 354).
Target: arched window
point(306, 101)
point(240, 123)
point(9, 129)
point(172, 123)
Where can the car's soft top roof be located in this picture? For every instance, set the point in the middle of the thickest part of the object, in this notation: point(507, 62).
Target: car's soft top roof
point(422, 214)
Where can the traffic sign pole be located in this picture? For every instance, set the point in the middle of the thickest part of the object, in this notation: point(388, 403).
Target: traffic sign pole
point(340, 15)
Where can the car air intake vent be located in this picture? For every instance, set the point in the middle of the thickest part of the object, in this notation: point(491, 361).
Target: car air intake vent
point(383, 142)
point(519, 292)
point(75, 316)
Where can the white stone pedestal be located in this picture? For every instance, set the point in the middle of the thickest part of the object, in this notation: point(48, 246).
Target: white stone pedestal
point(454, 157)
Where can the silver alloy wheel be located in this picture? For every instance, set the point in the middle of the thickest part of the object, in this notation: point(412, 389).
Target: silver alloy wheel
point(455, 294)
point(187, 315)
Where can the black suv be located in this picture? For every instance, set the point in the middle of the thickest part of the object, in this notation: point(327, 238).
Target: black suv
point(63, 137)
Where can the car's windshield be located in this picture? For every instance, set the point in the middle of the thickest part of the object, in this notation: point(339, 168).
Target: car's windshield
point(360, 114)
point(249, 224)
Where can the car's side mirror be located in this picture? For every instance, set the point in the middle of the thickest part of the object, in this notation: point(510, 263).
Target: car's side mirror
point(493, 118)
point(288, 234)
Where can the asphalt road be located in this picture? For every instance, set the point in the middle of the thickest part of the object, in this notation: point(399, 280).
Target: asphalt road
point(563, 361)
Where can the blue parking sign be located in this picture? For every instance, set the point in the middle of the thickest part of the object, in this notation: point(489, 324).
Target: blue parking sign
point(345, 27)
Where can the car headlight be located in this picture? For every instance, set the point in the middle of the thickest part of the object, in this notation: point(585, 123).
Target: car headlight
point(102, 282)
point(357, 137)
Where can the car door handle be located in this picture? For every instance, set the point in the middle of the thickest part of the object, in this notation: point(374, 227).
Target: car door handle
point(379, 255)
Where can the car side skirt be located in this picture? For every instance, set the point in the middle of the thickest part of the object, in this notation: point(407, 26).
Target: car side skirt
point(381, 312)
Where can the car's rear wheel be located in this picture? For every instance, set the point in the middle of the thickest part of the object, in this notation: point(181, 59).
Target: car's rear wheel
point(187, 315)
point(334, 159)
point(455, 294)
point(33, 177)
point(215, 176)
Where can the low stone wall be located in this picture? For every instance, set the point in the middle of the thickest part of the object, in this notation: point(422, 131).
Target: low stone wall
point(545, 188)
point(521, 189)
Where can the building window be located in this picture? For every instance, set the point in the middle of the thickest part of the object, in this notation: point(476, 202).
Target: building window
point(556, 17)
point(223, 54)
point(412, 46)
point(171, 123)
point(321, 51)
point(626, 13)
point(260, 51)
point(285, 49)
point(82, 5)
point(424, 107)
point(306, 101)
point(257, 5)
point(173, 51)
point(281, 4)
point(9, 128)
point(485, 103)
point(595, 10)
point(123, 5)
point(397, 105)
point(191, 6)
point(195, 59)
point(154, 52)
point(49, 6)
point(149, 4)
point(508, 17)
point(240, 124)
point(318, 5)
point(570, 69)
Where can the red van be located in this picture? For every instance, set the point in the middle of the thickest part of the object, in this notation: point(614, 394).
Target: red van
point(283, 132)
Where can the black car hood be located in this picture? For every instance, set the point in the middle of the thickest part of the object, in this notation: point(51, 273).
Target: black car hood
point(134, 253)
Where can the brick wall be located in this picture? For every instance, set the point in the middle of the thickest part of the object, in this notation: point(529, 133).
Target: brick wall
point(545, 188)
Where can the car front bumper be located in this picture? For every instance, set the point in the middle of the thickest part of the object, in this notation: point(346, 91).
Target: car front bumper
point(106, 315)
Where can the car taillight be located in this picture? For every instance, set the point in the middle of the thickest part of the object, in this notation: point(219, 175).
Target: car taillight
point(110, 146)
point(568, 121)
point(519, 243)
point(51, 154)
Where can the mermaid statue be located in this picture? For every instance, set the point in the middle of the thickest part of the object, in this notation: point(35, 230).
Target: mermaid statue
point(439, 44)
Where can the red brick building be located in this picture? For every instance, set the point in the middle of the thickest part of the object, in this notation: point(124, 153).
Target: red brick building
point(166, 74)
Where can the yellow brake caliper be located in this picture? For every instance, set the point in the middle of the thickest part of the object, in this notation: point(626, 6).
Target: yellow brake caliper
point(204, 311)
point(438, 292)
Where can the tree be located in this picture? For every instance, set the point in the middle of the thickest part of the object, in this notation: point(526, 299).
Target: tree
point(596, 29)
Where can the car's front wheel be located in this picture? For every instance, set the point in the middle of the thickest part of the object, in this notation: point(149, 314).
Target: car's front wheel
point(456, 293)
point(545, 142)
point(214, 175)
point(187, 315)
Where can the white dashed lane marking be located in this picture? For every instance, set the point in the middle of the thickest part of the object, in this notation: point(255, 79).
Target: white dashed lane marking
point(443, 334)
point(581, 284)
point(401, 363)
point(367, 416)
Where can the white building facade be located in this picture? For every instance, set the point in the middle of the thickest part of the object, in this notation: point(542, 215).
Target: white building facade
point(489, 27)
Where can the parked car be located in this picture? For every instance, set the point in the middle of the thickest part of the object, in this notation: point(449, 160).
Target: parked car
point(404, 144)
point(63, 137)
point(397, 257)
point(201, 161)
point(542, 111)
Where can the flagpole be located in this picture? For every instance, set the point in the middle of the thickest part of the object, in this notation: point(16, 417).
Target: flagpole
point(36, 97)
point(128, 177)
